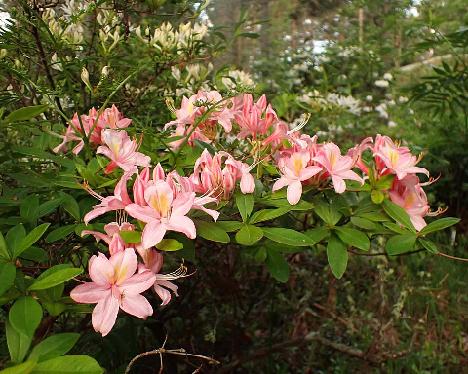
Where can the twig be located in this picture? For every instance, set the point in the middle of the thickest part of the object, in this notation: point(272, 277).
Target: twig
point(452, 257)
point(175, 352)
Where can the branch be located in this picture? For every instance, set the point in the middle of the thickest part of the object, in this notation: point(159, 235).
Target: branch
point(175, 352)
point(452, 257)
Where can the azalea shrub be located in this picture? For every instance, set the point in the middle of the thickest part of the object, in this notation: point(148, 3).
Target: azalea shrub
point(230, 171)
point(120, 184)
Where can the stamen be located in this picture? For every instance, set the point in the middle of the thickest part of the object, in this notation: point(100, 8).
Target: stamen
point(91, 191)
point(300, 125)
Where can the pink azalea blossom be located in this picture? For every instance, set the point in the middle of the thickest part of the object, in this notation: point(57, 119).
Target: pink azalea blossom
point(409, 194)
point(255, 118)
point(118, 201)
point(153, 260)
point(112, 235)
point(91, 126)
point(294, 170)
point(191, 110)
point(115, 286)
point(163, 213)
point(121, 150)
point(395, 159)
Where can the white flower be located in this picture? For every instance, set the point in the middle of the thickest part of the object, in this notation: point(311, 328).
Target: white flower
point(388, 76)
point(403, 99)
point(382, 110)
point(392, 124)
point(369, 97)
point(381, 83)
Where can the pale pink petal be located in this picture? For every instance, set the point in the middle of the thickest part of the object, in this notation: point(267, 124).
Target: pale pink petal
point(105, 314)
point(349, 174)
point(309, 172)
point(89, 293)
point(96, 212)
point(153, 233)
point(418, 222)
point(101, 270)
point(141, 213)
point(182, 224)
point(163, 294)
point(138, 283)
point(183, 203)
point(247, 183)
point(280, 183)
point(338, 184)
point(125, 265)
point(136, 305)
point(98, 235)
point(294, 192)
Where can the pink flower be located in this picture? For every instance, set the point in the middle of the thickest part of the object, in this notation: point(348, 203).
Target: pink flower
point(91, 125)
point(255, 118)
point(121, 150)
point(294, 170)
point(153, 260)
point(163, 212)
point(115, 286)
point(339, 167)
point(395, 159)
point(409, 194)
point(118, 201)
point(112, 236)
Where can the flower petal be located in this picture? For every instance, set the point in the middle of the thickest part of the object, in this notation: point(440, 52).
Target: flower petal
point(294, 192)
point(101, 270)
point(125, 264)
point(89, 292)
point(105, 314)
point(153, 233)
point(136, 305)
point(182, 224)
point(138, 283)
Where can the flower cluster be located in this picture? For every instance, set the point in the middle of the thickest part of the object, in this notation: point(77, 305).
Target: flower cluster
point(91, 126)
point(162, 202)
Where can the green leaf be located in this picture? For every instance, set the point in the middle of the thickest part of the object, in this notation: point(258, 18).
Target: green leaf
point(268, 214)
point(400, 244)
point(7, 276)
point(438, 225)
point(327, 213)
point(18, 343)
point(287, 236)
point(229, 226)
point(26, 113)
point(363, 223)
point(131, 237)
point(277, 266)
point(14, 236)
point(49, 206)
point(245, 204)
point(249, 234)
point(60, 233)
point(317, 234)
point(24, 368)
point(29, 208)
point(395, 227)
point(69, 364)
point(169, 245)
point(398, 214)
point(30, 239)
point(53, 276)
point(53, 346)
point(337, 256)
point(4, 252)
point(353, 237)
point(211, 231)
point(377, 196)
point(71, 206)
point(430, 246)
point(25, 315)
